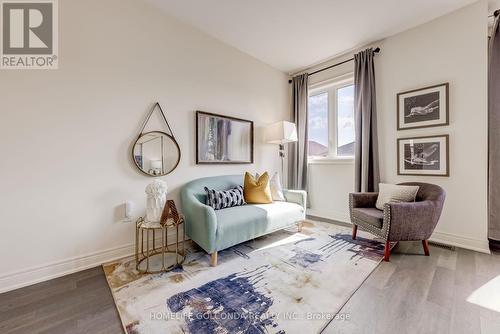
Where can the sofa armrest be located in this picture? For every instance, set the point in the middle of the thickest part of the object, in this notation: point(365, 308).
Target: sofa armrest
point(363, 200)
point(201, 222)
point(296, 196)
point(411, 220)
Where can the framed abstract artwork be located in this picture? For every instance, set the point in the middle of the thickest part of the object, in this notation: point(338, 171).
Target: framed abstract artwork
point(424, 107)
point(223, 139)
point(424, 156)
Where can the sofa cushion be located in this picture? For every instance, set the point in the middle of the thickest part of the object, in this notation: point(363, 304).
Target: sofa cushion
point(250, 221)
point(371, 216)
point(394, 193)
point(257, 191)
point(276, 187)
point(220, 199)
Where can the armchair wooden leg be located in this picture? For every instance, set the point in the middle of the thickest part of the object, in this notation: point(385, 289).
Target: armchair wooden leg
point(354, 231)
point(213, 259)
point(299, 226)
point(425, 243)
point(387, 251)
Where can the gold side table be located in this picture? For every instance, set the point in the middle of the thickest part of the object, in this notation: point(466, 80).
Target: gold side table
point(151, 257)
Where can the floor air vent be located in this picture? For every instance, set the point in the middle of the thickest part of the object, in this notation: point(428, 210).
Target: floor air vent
point(440, 245)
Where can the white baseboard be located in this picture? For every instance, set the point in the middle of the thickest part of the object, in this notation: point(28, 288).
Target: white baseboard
point(33, 275)
point(337, 216)
point(477, 245)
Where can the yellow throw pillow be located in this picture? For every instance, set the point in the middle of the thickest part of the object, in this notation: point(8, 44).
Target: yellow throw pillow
point(257, 191)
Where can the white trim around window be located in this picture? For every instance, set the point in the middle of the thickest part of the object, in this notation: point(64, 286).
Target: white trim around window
point(331, 87)
point(330, 161)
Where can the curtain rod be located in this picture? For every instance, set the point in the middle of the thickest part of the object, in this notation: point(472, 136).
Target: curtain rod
point(495, 13)
point(377, 50)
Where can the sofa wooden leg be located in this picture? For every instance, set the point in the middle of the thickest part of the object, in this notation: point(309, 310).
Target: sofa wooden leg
point(213, 259)
point(387, 251)
point(425, 243)
point(354, 231)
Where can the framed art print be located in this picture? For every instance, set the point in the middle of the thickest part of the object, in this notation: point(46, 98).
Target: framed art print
point(223, 139)
point(424, 107)
point(424, 156)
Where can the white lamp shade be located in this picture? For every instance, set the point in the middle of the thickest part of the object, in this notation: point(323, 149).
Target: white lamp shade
point(281, 132)
point(156, 164)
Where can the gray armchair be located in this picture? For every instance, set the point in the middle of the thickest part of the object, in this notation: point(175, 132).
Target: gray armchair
point(408, 221)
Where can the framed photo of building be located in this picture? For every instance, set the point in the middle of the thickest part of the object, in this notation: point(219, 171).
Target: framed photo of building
point(424, 107)
point(424, 156)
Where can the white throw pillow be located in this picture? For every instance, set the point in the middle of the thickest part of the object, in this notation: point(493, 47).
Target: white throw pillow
point(276, 187)
point(393, 193)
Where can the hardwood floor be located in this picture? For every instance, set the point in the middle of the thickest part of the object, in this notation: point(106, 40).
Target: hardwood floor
point(411, 294)
point(77, 303)
point(420, 294)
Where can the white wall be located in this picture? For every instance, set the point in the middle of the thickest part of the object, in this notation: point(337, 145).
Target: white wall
point(329, 187)
point(67, 133)
point(493, 5)
point(450, 49)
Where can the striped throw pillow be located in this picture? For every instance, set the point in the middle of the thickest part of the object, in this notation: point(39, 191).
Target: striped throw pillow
point(221, 199)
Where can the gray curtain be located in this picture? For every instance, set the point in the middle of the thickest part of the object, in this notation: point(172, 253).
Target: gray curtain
point(297, 152)
point(367, 174)
point(494, 134)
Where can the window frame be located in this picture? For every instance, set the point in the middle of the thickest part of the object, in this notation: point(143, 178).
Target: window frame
point(331, 86)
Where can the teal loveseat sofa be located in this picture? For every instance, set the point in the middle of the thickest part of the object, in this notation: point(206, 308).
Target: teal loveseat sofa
point(215, 230)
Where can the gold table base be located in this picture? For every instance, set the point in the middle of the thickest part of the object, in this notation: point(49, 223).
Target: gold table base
point(145, 253)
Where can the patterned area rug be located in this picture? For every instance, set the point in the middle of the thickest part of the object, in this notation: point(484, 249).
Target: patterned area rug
point(285, 282)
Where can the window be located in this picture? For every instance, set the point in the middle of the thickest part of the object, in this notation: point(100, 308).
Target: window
point(318, 125)
point(345, 121)
point(331, 120)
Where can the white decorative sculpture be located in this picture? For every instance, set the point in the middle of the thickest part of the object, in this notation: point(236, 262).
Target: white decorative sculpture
point(156, 198)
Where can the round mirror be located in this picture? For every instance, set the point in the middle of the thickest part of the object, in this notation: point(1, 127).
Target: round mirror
point(156, 153)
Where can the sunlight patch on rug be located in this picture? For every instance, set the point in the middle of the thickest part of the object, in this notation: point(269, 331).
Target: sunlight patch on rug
point(291, 239)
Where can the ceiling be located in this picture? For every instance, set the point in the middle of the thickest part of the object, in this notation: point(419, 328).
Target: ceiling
point(293, 34)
